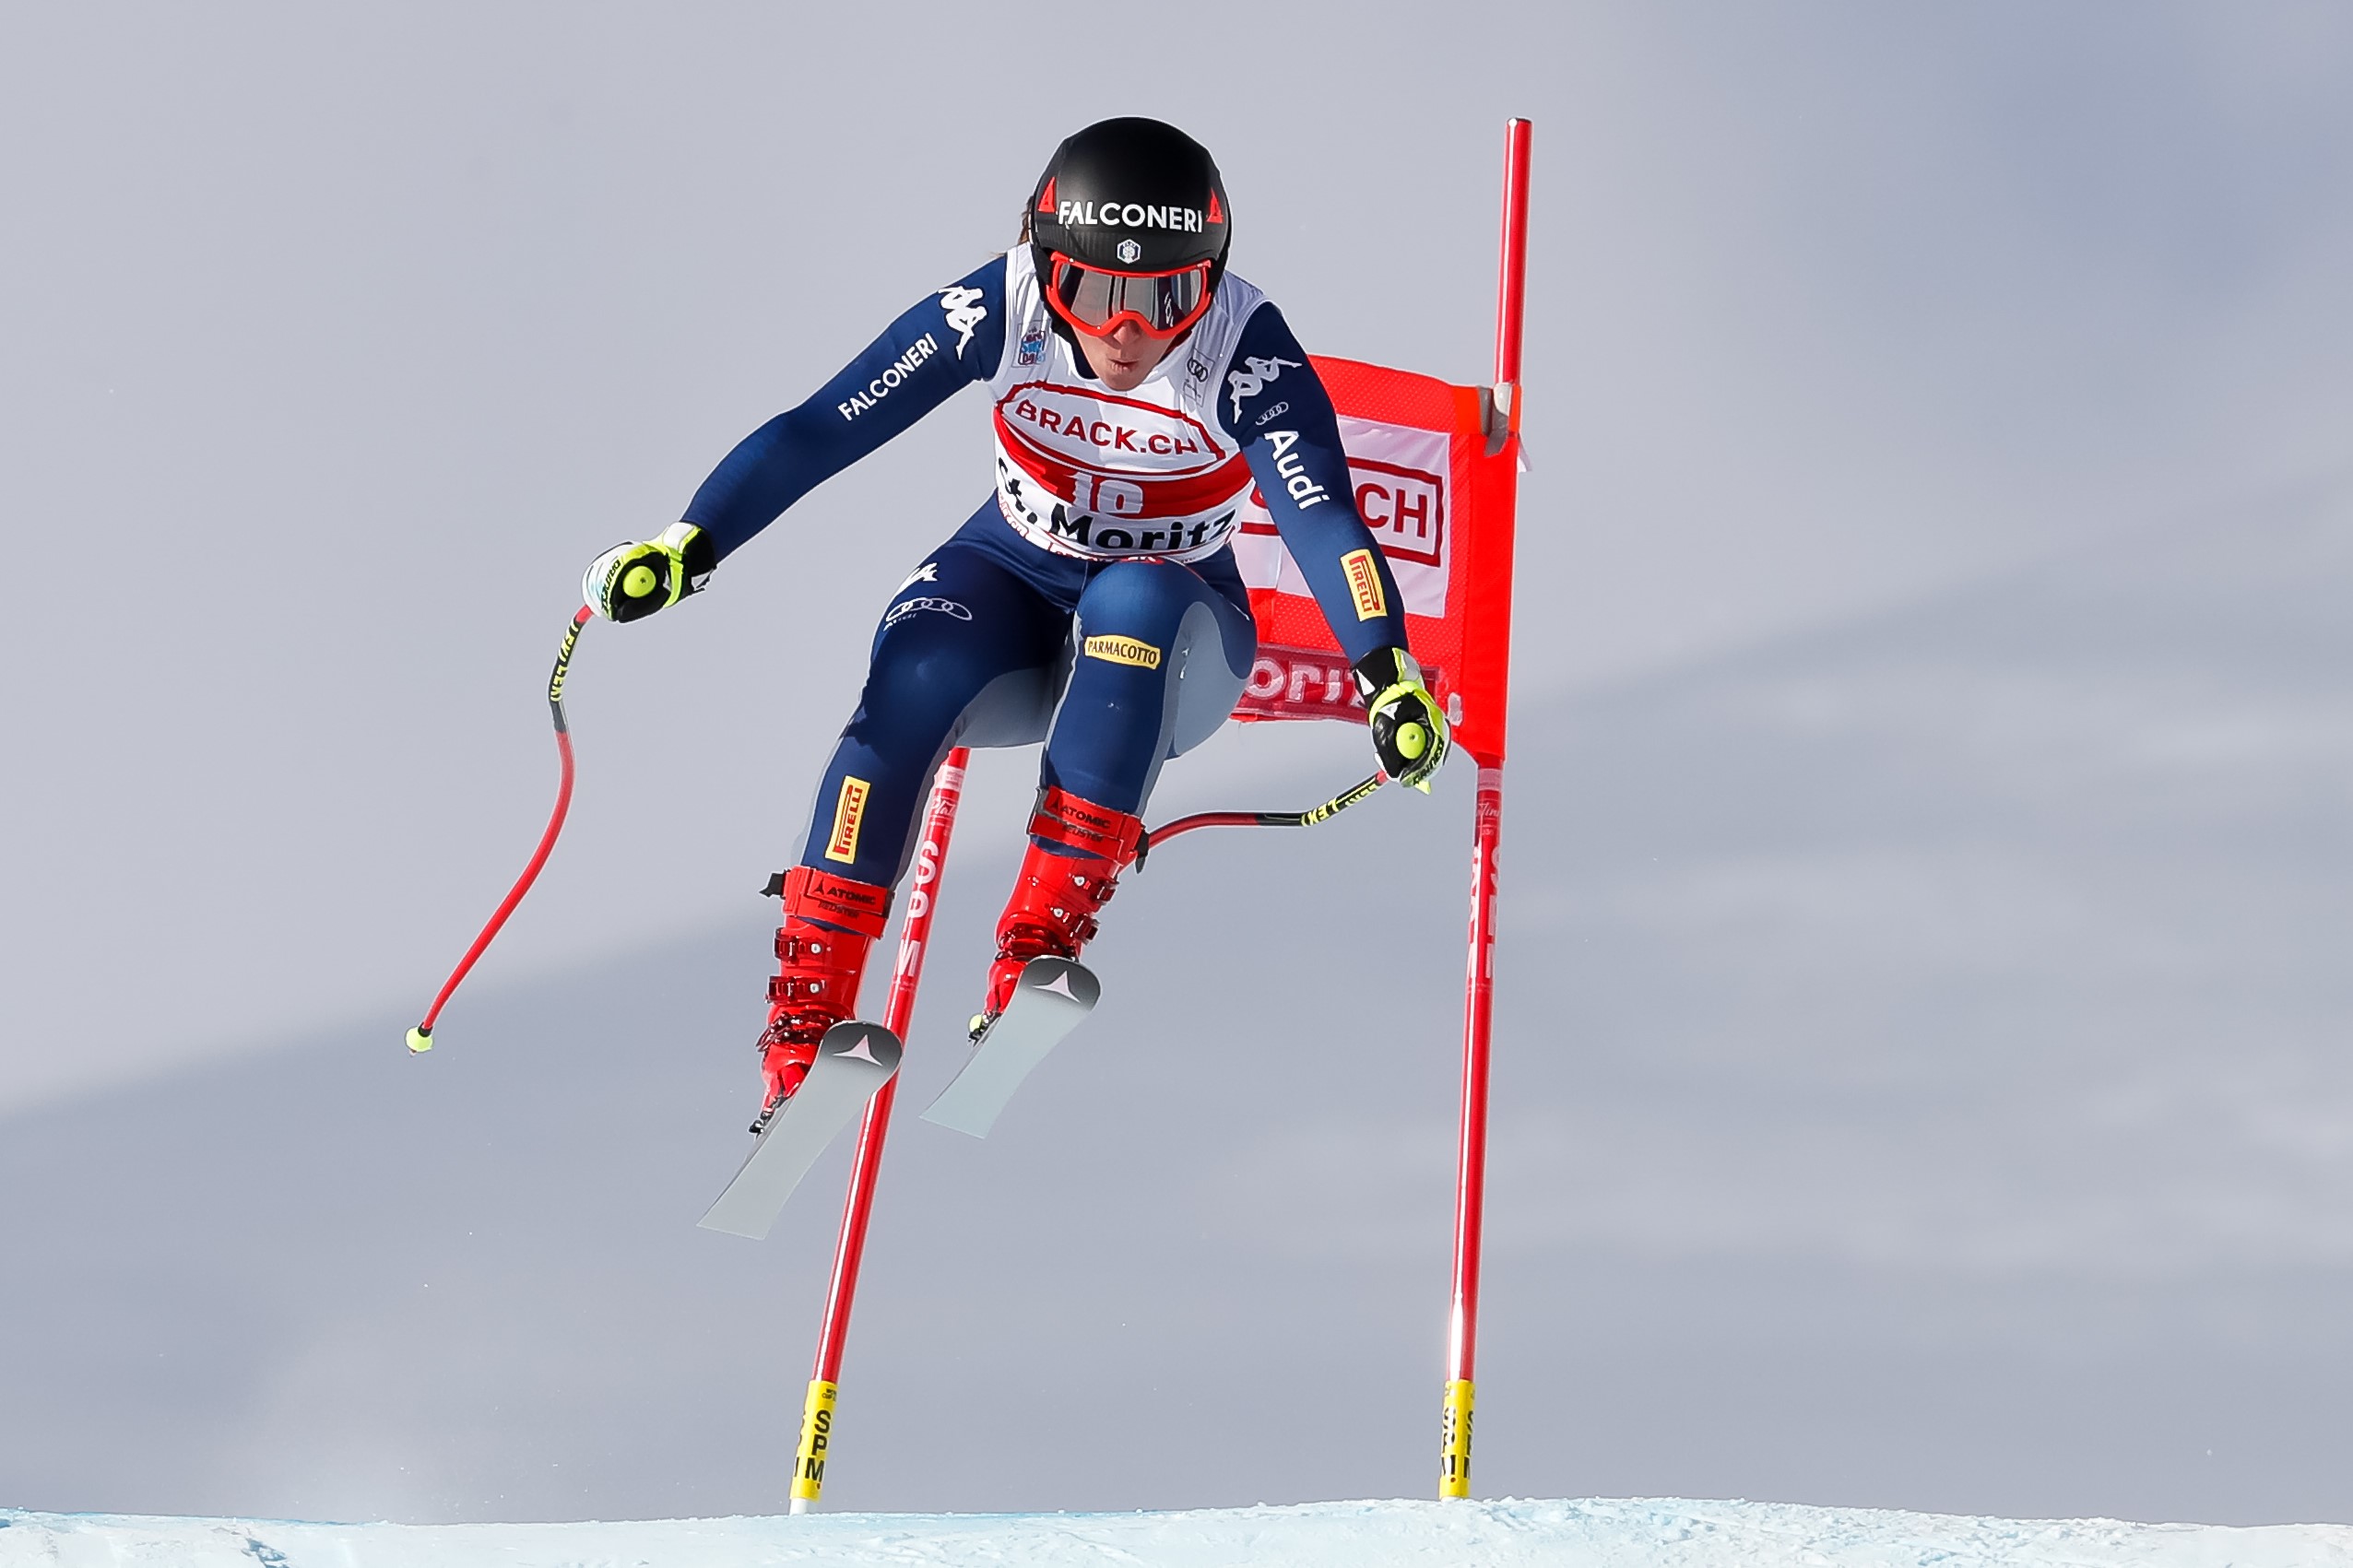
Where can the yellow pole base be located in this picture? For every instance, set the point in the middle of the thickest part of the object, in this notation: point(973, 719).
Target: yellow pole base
point(816, 1434)
point(1454, 1446)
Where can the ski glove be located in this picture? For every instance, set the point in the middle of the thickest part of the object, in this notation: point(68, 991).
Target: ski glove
point(1409, 730)
point(629, 581)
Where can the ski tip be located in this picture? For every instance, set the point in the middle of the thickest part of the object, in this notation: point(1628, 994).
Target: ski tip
point(421, 1040)
point(1066, 978)
point(732, 1227)
point(962, 1118)
point(869, 1043)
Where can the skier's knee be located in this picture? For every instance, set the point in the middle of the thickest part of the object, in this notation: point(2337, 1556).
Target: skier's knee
point(1138, 597)
point(914, 701)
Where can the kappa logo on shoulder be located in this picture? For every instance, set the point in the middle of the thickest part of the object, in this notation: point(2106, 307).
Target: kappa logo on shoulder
point(928, 572)
point(964, 312)
point(1252, 378)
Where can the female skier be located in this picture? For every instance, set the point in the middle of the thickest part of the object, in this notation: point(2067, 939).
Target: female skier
point(1140, 389)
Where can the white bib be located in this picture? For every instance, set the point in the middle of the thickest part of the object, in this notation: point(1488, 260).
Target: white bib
point(1083, 471)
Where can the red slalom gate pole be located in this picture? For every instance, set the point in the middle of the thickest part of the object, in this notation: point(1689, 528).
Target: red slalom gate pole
point(1511, 282)
point(849, 1249)
point(1471, 1166)
point(1478, 1005)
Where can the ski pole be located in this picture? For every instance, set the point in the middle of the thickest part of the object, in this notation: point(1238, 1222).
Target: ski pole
point(1308, 818)
point(421, 1039)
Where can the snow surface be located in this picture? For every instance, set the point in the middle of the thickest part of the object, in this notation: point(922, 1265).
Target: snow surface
point(1595, 1534)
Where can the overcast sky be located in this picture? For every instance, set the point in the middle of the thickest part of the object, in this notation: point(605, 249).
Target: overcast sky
point(339, 341)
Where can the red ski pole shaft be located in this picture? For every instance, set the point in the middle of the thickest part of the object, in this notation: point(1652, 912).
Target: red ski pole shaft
point(420, 1038)
point(849, 1249)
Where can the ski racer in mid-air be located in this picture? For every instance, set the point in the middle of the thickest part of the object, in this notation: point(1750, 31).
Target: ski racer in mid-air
point(1139, 390)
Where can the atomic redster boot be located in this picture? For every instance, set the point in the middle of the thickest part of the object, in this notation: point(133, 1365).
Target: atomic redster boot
point(830, 922)
point(1065, 881)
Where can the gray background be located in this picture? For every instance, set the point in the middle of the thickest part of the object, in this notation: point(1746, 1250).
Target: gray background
point(1921, 1075)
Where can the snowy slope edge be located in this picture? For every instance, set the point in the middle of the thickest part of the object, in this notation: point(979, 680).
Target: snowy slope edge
point(1664, 1533)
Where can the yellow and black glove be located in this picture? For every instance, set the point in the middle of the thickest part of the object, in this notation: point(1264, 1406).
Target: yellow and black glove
point(630, 581)
point(1409, 729)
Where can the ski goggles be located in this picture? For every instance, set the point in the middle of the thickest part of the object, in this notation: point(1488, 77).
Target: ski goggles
point(1097, 302)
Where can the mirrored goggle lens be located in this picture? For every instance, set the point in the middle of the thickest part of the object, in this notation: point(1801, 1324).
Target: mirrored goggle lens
point(1164, 301)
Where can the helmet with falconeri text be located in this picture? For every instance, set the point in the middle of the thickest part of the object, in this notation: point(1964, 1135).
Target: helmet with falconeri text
point(1130, 223)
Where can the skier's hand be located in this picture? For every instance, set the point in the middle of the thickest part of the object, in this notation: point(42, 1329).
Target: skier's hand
point(1409, 728)
point(629, 581)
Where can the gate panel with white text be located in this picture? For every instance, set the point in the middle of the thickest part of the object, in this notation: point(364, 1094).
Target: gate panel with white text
point(1440, 505)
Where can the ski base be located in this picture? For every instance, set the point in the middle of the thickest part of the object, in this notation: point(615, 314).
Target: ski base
point(1051, 997)
point(853, 1061)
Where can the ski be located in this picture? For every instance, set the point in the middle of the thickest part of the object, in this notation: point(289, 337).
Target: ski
point(1051, 997)
point(853, 1061)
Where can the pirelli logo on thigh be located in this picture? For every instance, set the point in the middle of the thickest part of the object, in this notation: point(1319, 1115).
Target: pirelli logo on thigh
point(849, 816)
point(1124, 651)
point(1365, 584)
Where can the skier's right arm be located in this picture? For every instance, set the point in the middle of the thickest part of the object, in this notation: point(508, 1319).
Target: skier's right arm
point(948, 340)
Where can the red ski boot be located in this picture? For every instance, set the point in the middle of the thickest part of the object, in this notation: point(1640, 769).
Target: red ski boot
point(1061, 889)
point(830, 922)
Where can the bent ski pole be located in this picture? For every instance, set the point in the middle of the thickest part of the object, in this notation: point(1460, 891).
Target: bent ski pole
point(420, 1038)
point(1308, 818)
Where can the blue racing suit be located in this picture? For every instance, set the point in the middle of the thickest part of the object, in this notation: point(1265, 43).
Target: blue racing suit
point(1092, 601)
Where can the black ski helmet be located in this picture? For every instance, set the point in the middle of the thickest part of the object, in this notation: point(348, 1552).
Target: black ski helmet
point(1131, 196)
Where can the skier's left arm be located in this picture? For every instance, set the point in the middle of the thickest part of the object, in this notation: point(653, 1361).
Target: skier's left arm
point(1275, 406)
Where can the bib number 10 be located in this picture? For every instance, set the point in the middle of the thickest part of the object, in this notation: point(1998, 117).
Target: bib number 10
point(1118, 498)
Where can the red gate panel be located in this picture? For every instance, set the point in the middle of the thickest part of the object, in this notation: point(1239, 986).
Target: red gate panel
point(1440, 505)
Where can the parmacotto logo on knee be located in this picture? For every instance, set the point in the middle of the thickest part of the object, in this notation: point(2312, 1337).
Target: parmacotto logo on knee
point(1124, 651)
point(850, 815)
